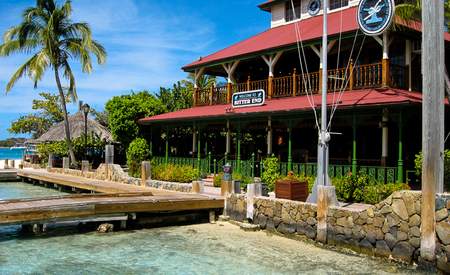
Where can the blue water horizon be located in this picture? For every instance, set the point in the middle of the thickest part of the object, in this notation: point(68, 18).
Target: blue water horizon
point(8, 153)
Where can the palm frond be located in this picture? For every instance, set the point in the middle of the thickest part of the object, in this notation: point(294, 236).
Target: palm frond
point(23, 70)
point(68, 74)
point(15, 46)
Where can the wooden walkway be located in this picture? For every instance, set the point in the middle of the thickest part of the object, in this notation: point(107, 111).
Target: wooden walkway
point(117, 199)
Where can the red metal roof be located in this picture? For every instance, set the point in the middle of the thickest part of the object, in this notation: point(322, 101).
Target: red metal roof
point(368, 97)
point(284, 35)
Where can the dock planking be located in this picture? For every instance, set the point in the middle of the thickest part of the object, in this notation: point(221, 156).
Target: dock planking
point(116, 199)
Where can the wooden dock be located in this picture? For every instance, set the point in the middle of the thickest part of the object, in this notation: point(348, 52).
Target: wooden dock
point(8, 174)
point(117, 199)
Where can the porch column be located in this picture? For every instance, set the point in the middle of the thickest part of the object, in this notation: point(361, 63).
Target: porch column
point(408, 61)
point(269, 136)
point(238, 153)
point(318, 52)
point(228, 139)
point(271, 61)
point(354, 160)
point(197, 74)
point(384, 137)
point(167, 147)
point(400, 149)
point(198, 151)
point(194, 140)
point(289, 168)
point(385, 61)
point(230, 68)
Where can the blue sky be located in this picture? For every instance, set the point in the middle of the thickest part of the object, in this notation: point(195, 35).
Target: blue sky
point(147, 41)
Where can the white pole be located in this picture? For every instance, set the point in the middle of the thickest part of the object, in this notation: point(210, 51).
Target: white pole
point(324, 136)
point(432, 121)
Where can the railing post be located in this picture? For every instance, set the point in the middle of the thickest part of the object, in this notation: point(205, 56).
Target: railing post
point(248, 83)
point(320, 82)
point(289, 168)
point(351, 83)
point(270, 87)
point(253, 165)
point(194, 96)
point(294, 82)
point(229, 92)
point(386, 73)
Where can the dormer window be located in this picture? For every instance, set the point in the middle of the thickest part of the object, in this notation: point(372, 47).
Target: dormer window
point(336, 4)
point(290, 16)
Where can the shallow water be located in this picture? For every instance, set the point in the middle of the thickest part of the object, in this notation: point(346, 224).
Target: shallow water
point(194, 249)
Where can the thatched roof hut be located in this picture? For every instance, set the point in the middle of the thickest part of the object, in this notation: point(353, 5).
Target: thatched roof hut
point(76, 124)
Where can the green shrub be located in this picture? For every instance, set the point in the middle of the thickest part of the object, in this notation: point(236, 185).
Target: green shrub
point(174, 173)
point(271, 172)
point(350, 188)
point(375, 193)
point(418, 167)
point(243, 179)
point(218, 180)
point(137, 151)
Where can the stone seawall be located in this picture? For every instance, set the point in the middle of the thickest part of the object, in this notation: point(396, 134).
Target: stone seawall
point(113, 172)
point(389, 228)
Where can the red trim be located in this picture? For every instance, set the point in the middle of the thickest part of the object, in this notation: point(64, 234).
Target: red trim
point(360, 98)
point(284, 35)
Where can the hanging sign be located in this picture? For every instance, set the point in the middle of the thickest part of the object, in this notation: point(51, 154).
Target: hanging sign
point(375, 16)
point(248, 98)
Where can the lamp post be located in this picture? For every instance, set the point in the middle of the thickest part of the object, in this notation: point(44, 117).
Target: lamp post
point(86, 109)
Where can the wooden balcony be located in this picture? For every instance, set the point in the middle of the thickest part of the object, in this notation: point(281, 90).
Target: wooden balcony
point(351, 78)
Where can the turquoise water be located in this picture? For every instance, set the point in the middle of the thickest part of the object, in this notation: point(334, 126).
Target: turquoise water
point(194, 249)
point(7, 153)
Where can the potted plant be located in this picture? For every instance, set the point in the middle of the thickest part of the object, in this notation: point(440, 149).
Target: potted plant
point(291, 188)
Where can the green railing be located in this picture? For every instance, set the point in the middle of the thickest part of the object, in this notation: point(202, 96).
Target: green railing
point(248, 168)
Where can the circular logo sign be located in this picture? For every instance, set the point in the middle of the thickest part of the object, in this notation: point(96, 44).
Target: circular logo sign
point(313, 7)
point(375, 16)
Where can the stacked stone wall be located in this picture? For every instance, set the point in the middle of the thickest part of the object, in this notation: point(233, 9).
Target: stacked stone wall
point(389, 228)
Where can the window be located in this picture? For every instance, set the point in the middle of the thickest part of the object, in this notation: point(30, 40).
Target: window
point(336, 4)
point(289, 11)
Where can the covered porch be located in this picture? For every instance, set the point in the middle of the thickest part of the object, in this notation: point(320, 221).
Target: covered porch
point(369, 123)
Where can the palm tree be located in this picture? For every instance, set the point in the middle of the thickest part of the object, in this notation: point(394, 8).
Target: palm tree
point(203, 82)
point(48, 32)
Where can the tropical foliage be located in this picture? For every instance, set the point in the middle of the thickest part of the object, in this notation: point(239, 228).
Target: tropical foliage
point(412, 10)
point(418, 166)
point(94, 147)
point(48, 31)
point(124, 112)
point(48, 112)
point(271, 171)
point(137, 152)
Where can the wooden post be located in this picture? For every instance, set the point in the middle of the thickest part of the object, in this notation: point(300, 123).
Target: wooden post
point(385, 61)
point(50, 161)
point(84, 166)
point(325, 197)
point(211, 94)
point(270, 87)
point(248, 84)
point(432, 121)
point(294, 82)
point(145, 172)
point(194, 96)
point(229, 92)
point(351, 82)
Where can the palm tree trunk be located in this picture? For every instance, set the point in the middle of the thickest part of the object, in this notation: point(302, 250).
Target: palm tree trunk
point(66, 119)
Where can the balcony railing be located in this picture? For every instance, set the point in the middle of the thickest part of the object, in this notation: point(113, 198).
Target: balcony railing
point(352, 77)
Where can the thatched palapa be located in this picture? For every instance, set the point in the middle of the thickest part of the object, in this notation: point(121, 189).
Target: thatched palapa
point(76, 124)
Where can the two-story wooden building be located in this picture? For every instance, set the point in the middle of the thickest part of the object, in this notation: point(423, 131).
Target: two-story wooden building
point(374, 81)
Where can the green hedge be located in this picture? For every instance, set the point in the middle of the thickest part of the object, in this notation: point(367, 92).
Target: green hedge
point(418, 166)
point(174, 173)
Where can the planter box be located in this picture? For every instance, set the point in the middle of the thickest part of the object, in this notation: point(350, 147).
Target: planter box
point(291, 190)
